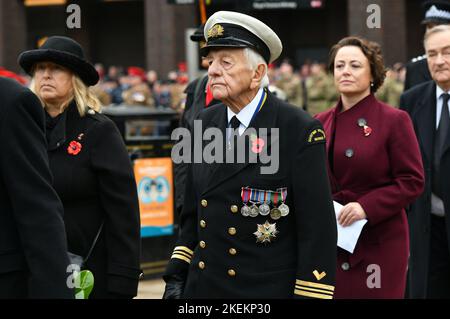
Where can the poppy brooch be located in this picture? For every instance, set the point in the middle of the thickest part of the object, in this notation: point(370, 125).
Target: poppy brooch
point(75, 147)
point(367, 130)
point(257, 144)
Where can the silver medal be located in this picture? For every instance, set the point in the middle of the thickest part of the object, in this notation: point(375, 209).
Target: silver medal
point(245, 211)
point(254, 211)
point(284, 209)
point(264, 209)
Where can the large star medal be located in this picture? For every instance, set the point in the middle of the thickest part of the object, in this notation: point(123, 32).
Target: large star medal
point(266, 232)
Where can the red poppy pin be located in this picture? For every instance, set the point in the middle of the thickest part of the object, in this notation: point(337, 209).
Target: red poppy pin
point(367, 130)
point(257, 144)
point(74, 148)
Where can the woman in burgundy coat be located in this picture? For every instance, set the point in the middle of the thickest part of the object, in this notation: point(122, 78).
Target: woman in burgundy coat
point(375, 171)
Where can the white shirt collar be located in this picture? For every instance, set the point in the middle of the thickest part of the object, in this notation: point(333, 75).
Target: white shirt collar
point(439, 92)
point(439, 102)
point(246, 114)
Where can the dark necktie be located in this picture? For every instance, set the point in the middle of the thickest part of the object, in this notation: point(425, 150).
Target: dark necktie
point(235, 123)
point(439, 142)
point(233, 129)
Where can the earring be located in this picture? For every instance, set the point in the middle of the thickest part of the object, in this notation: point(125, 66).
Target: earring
point(371, 84)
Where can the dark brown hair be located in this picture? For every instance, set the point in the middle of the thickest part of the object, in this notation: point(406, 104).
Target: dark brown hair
point(371, 50)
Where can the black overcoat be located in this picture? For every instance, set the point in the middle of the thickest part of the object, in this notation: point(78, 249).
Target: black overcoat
point(420, 103)
point(95, 182)
point(33, 250)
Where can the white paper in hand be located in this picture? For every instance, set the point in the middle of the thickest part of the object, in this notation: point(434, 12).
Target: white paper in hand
point(348, 236)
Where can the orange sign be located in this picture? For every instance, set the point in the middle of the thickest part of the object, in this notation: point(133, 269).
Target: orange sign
point(31, 3)
point(154, 183)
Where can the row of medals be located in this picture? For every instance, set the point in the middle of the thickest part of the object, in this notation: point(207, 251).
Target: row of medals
point(264, 210)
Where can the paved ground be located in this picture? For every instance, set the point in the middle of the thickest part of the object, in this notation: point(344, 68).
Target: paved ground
point(151, 289)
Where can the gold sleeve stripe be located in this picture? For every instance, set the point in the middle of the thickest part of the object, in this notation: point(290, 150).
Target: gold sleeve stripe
point(182, 253)
point(315, 290)
point(311, 294)
point(182, 258)
point(184, 248)
point(314, 285)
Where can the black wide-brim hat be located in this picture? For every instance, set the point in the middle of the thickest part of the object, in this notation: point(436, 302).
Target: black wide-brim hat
point(62, 51)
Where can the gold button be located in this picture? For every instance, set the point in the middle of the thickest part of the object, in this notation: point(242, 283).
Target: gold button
point(202, 224)
point(232, 231)
point(201, 265)
point(202, 244)
point(232, 251)
point(231, 272)
point(234, 209)
point(204, 202)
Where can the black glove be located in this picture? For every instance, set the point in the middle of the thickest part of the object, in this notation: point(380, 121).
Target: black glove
point(174, 287)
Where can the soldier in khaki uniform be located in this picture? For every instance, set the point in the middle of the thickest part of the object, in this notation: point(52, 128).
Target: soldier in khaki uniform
point(177, 94)
point(139, 93)
point(320, 91)
point(290, 84)
point(101, 94)
point(391, 90)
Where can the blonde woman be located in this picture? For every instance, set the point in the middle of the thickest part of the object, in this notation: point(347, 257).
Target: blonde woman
point(92, 172)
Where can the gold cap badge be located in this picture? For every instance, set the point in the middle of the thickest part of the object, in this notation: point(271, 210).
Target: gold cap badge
point(215, 31)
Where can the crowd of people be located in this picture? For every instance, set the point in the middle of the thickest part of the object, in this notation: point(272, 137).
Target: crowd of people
point(135, 86)
point(310, 87)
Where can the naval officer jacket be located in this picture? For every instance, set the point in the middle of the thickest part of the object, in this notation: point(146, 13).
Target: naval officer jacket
point(217, 251)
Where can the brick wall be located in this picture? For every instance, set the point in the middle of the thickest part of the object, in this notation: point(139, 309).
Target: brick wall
point(164, 33)
point(12, 33)
point(392, 34)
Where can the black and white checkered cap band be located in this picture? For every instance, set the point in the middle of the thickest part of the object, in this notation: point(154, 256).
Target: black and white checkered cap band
point(435, 13)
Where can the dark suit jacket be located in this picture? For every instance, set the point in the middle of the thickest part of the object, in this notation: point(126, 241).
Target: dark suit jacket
point(97, 184)
point(211, 222)
point(384, 174)
point(420, 103)
point(32, 237)
point(195, 103)
point(416, 73)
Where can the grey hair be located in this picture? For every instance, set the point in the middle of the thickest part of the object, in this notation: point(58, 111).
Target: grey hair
point(255, 59)
point(437, 29)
